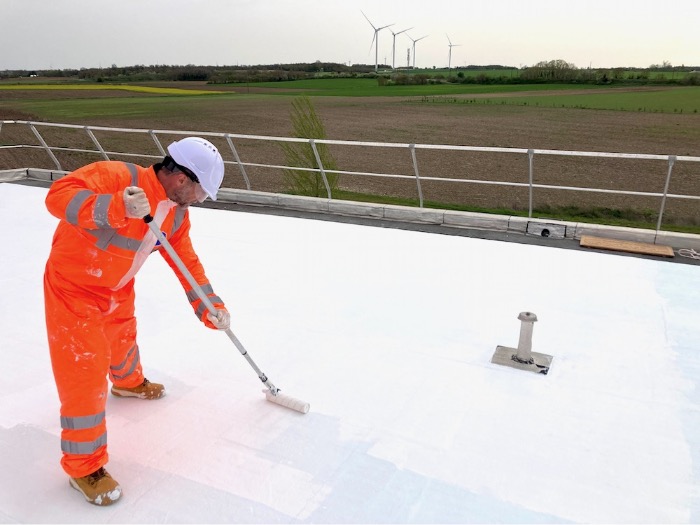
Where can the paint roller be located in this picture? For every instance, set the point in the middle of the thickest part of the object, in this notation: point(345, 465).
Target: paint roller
point(272, 394)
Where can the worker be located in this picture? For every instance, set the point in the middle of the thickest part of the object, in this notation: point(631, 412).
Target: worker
point(99, 244)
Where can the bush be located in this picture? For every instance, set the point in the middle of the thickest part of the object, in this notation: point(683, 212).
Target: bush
point(308, 125)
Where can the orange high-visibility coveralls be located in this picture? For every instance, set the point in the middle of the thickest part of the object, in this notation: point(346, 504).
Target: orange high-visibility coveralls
point(89, 295)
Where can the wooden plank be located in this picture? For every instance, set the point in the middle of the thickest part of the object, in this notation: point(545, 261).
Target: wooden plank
point(589, 241)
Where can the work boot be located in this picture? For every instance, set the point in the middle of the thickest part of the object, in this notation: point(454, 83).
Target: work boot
point(145, 390)
point(99, 488)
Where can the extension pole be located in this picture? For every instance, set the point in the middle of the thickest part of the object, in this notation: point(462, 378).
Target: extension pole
point(273, 394)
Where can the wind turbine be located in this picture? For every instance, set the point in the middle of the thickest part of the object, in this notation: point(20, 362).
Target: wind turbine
point(393, 48)
point(376, 44)
point(414, 47)
point(449, 59)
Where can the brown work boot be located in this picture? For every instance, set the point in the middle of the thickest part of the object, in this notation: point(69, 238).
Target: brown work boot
point(145, 390)
point(99, 488)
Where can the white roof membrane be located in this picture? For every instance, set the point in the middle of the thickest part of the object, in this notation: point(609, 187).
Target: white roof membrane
point(389, 335)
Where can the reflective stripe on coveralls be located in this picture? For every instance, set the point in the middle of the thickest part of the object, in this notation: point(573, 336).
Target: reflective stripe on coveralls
point(134, 363)
point(80, 447)
point(79, 423)
point(82, 423)
point(99, 214)
point(209, 292)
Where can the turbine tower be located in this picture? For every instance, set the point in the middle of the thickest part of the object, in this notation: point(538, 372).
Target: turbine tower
point(375, 41)
point(393, 47)
point(449, 57)
point(414, 47)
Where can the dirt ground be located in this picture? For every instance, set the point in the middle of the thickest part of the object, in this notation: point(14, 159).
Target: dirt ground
point(408, 120)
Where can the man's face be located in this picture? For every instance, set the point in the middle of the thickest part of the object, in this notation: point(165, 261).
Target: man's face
point(185, 191)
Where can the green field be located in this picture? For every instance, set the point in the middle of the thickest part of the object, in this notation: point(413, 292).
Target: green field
point(368, 87)
point(666, 100)
point(72, 109)
point(155, 99)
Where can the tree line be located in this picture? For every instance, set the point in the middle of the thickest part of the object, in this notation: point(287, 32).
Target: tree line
point(190, 72)
point(552, 71)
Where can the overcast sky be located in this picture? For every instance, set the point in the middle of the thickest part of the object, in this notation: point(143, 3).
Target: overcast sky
point(60, 34)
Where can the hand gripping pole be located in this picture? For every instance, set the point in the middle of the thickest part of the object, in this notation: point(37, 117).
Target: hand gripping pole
point(273, 393)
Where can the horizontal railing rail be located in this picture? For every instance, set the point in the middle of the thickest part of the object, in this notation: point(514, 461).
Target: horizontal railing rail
point(320, 169)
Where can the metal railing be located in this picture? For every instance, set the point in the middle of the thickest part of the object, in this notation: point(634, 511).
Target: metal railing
point(670, 160)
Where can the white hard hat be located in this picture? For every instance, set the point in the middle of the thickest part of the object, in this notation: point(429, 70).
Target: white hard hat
point(202, 158)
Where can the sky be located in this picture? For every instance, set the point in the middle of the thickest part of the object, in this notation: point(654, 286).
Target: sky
point(62, 34)
point(388, 334)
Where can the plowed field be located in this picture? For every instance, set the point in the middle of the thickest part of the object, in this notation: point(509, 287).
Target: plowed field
point(403, 120)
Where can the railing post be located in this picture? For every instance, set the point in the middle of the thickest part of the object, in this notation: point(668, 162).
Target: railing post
point(158, 144)
point(671, 162)
point(530, 156)
point(238, 160)
point(412, 147)
point(46, 146)
point(96, 143)
point(320, 167)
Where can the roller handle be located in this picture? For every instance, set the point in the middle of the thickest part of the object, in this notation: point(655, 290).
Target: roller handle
point(148, 219)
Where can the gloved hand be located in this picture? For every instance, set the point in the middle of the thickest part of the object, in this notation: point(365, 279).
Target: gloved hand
point(222, 321)
point(136, 203)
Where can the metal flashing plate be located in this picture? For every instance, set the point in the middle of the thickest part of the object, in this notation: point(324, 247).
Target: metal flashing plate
point(506, 356)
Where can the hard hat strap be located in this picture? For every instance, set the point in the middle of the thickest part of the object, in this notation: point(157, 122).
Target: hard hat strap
point(170, 164)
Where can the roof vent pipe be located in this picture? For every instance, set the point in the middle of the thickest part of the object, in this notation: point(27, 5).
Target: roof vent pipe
point(524, 353)
point(523, 358)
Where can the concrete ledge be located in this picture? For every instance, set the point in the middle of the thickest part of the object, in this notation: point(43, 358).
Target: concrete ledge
point(12, 175)
point(480, 221)
point(615, 232)
point(44, 175)
point(404, 213)
point(363, 209)
point(518, 224)
point(304, 203)
point(451, 218)
point(675, 239)
point(448, 218)
point(248, 197)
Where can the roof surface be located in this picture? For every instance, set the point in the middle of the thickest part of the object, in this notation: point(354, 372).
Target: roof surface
point(389, 335)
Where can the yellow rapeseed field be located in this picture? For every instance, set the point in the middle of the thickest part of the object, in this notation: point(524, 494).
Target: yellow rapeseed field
point(93, 87)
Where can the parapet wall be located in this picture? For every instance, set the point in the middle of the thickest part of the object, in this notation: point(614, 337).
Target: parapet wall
point(455, 219)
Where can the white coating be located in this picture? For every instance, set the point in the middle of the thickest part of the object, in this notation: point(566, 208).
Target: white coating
point(389, 335)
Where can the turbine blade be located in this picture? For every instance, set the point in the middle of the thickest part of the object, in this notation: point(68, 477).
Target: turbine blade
point(370, 23)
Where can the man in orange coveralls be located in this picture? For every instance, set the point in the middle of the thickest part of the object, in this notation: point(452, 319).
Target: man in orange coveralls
point(99, 245)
